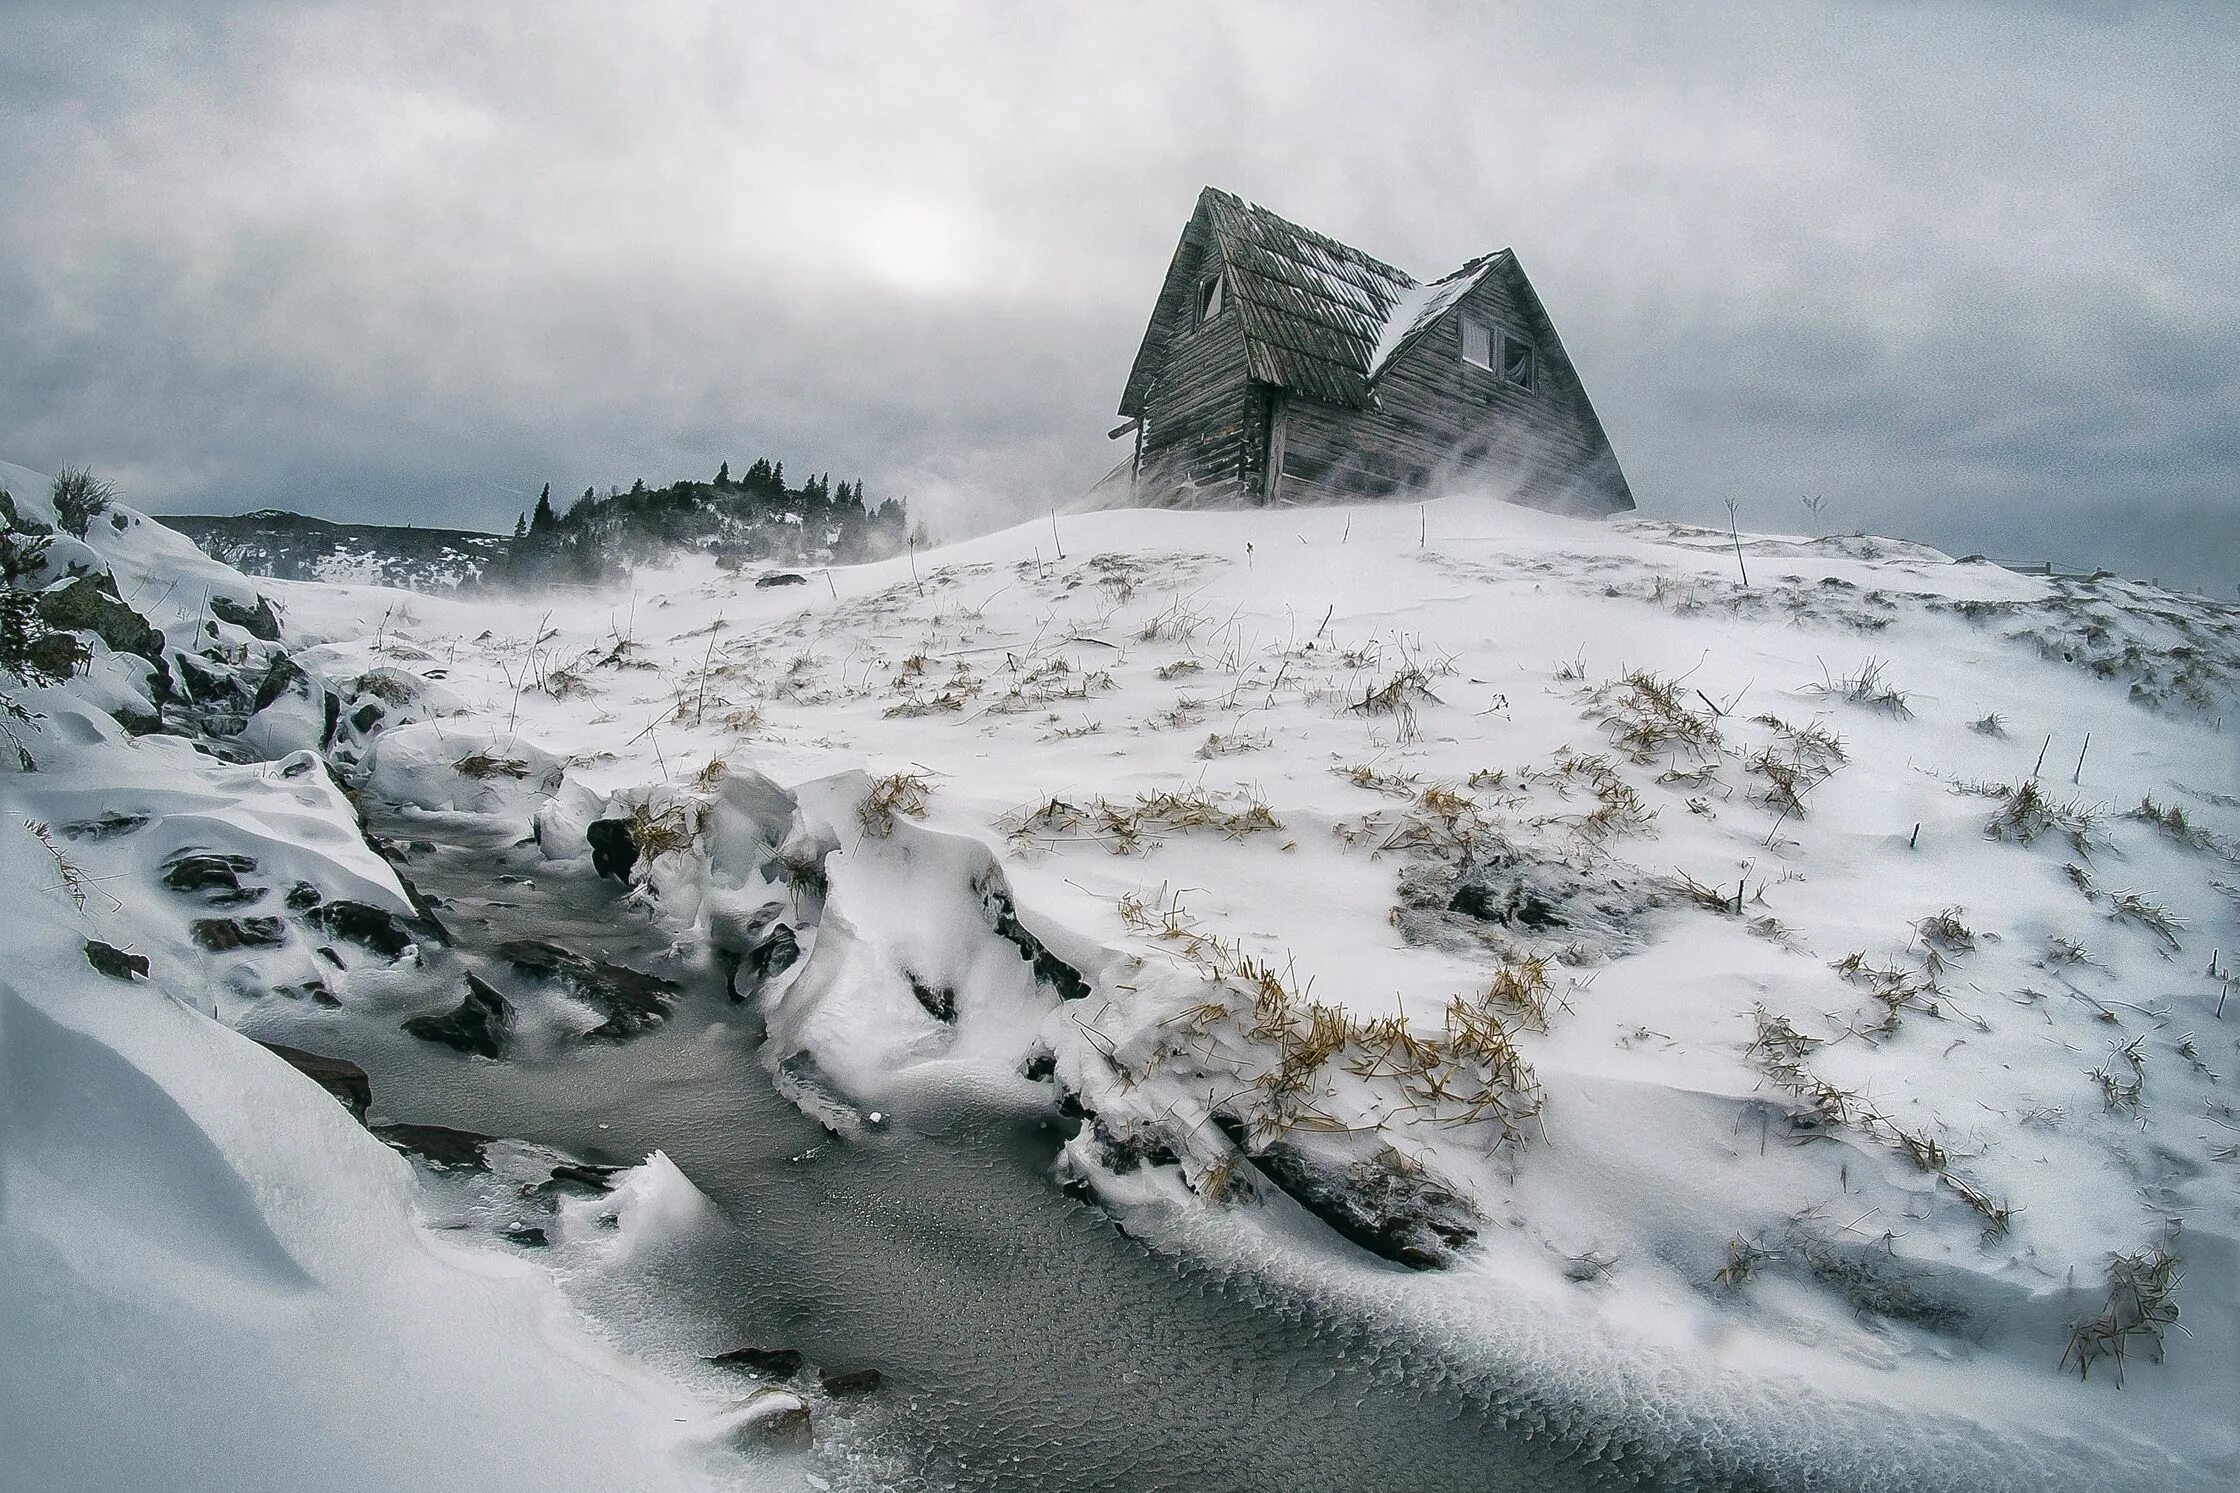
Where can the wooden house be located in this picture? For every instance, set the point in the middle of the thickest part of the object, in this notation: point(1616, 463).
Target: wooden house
point(1281, 366)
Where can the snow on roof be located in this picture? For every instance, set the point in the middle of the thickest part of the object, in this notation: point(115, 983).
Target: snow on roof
point(1419, 307)
point(1320, 318)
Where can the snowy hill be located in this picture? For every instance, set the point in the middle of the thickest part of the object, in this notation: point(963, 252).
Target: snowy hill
point(1782, 1022)
point(292, 546)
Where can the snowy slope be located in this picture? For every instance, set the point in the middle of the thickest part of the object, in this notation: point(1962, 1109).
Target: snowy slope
point(1746, 991)
point(1769, 1007)
point(215, 1278)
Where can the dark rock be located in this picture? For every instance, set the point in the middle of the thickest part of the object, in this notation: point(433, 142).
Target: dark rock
point(338, 1076)
point(1003, 917)
point(478, 1024)
point(779, 578)
point(940, 1004)
point(209, 683)
point(259, 621)
point(1126, 1153)
point(1040, 1067)
point(452, 1150)
point(1387, 1205)
point(214, 876)
point(838, 1382)
point(774, 955)
point(613, 852)
point(634, 1003)
point(368, 927)
point(137, 722)
point(582, 1177)
point(56, 655)
point(302, 897)
point(528, 1236)
point(1511, 903)
point(770, 1363)
point(110, 825)
point(283, 677)
point(89, 603)
point(115, 962)
point(423, 911)
point(219, 935)
point(366, 717)
point(328, 953)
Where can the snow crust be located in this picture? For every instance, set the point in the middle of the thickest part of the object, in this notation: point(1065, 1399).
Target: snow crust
point(1240, 657)
point(212, 1277)
point(1023, 813)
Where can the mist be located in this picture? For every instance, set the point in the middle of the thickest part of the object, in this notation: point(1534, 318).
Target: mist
point(1960, 274)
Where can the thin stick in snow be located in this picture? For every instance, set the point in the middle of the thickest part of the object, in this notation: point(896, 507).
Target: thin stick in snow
point(2039, 766)
point(1735, 533)
point(2077, 777)
point(707, 658)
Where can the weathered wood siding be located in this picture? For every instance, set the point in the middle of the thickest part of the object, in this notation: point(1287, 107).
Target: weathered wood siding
point(1439, 417)
point(1204, 421)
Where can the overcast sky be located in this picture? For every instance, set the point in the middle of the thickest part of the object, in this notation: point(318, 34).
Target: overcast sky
point(1968, 272)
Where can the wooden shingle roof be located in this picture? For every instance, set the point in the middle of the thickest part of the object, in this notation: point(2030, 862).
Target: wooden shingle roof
point(1315, 313)
point(1312, 308)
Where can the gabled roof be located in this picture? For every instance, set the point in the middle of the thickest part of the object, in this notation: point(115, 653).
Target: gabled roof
point(1319, 318)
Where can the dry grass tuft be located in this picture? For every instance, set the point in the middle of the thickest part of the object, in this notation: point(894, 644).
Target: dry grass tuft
point(902, 793)
point(1397, 697)
point(658, 833)
point(1648, 719)
point(2130, 907)
point(1867, 689)
point(1125, 828)
point(482, 764)
point(2141, 1302)
point(2026, 812)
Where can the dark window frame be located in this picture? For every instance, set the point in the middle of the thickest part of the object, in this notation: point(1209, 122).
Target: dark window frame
point(1499, 341)
point(1211, 300)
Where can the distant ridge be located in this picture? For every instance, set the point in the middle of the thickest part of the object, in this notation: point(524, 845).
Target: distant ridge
point(298, 547)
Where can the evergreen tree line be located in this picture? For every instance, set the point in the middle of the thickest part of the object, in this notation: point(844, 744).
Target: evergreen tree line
point(752, 518)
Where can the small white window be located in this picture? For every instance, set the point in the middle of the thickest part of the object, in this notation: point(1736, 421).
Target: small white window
point(1209, 299)
point(1477, 344)
point(1498, 350)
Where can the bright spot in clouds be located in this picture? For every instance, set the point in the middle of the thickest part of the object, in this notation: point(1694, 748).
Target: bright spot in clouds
point(916, 247)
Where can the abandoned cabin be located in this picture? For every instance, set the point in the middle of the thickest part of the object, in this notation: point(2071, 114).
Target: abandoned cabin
point(1281, 366)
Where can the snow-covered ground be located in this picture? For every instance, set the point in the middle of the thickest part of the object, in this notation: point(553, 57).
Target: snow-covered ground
point(211, 1275)
point(1789, 1015)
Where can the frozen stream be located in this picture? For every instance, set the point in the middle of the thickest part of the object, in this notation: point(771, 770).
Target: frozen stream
point(1026, 1341)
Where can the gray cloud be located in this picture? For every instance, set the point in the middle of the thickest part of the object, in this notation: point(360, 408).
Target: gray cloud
point(1969, 273)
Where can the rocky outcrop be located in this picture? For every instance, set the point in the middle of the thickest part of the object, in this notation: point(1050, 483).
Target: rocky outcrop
point(770, 1363)
point(480, 1024)
point(223, 935)
point(338, 1076)
point(115, 962)
point(1385, 1203)
point(439, 1145)
point(613, 851)
point(634, 1003)
point(259, 621)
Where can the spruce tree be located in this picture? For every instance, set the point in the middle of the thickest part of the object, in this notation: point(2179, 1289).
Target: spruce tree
point(544, 519)
point(723, 475)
